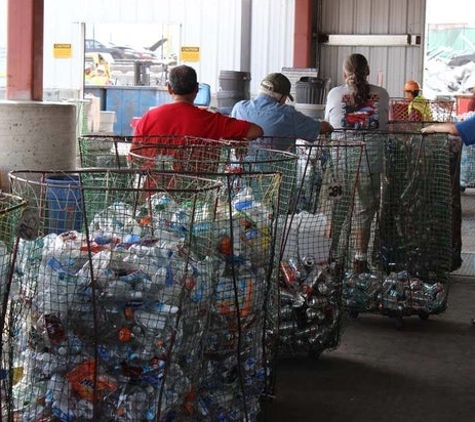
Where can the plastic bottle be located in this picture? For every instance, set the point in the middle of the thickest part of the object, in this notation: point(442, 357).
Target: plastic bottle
point(154, 322)
point(136, 402)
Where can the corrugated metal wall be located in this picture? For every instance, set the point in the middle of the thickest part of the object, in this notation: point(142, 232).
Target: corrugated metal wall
point(273, 37)
point(390, 66)
point(216, 26)
point(212, 25)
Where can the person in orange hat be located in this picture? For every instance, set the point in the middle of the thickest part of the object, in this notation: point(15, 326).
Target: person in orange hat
point(418, 107)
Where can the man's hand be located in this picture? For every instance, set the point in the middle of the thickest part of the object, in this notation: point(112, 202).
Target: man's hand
point(325, 127)
point(444, 127)
point(428, 129)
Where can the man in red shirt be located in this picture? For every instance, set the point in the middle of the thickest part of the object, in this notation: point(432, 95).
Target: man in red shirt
point(182, 117)
point(181, 123)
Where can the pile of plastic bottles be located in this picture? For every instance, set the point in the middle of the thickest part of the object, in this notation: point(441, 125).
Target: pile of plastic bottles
point(157, 314)
point(398, 293)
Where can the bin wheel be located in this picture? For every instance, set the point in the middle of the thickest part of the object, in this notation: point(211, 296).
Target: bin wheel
point(354, 314)
point(424, 316)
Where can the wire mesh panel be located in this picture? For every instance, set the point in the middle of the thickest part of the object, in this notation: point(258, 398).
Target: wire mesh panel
point(11, 210)
point(308, 234)
point(316, 238)
point(422, 110)
point(362, 222)
point(159, 306)
point(104, 151)
point(191, 155)
point(467, 167)
point(239, 346)
point(459, 163)
point(201, 156)
point(114, 305)
point(411, 257)
point(467, 161)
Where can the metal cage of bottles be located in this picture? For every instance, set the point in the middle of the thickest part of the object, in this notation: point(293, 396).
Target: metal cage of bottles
point(411, 247)
point(12, 222)
point(161, 293)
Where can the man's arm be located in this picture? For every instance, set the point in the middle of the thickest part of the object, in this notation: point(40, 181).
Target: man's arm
point(254, 132)
point(445, 127)
point(325, 127)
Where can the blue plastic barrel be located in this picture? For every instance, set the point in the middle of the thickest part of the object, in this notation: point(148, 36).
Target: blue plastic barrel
point(64, 202)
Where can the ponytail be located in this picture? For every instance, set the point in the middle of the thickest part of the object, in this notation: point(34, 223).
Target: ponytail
point(357, 70)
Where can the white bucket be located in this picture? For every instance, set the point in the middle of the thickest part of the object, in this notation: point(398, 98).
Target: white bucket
point(307, 237)
point(315, 111)
point(107, 121)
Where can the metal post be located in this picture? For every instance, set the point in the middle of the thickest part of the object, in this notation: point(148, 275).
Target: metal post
point(25, 50)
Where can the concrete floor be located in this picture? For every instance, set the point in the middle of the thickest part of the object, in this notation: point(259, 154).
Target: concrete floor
point(420, 373)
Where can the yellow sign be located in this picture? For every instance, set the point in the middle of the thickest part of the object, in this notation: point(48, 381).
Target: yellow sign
point(190, 54)
point(62, 51)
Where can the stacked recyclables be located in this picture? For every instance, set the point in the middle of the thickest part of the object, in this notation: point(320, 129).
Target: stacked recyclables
point(310, 291)
point(11, 223)
point(410, 256)
point(158, 305)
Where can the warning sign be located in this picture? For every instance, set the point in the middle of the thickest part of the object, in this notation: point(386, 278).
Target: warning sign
point(62, 51)
point(190, 54)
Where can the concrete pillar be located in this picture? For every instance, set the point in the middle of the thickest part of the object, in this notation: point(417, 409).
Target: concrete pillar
point(303, 33)
point(25, 49)
point(36, 136)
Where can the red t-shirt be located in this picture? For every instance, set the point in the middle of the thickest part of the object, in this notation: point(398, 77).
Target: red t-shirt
point(182, 118)
point(180, 123)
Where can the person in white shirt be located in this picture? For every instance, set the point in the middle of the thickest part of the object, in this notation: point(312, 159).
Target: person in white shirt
point(355, 109)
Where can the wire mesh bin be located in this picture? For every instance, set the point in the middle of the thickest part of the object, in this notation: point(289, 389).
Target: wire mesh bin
point(11, 214)
point(238, 159)
point(458, 165)
point(309, 320)
point(467, 167)
point(104, 151)
point(113, 310)
point(467, 161)
point(425, 110)
point(411, 251)
point(313, 255)
point(158, 307)
point(301, 190)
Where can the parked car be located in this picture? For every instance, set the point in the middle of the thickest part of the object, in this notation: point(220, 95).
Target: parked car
point(135, 53)
point(141, 53)
point(94, 46)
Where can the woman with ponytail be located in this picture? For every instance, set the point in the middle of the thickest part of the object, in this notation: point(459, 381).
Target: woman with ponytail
point(359, 111)
point(357, 104)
